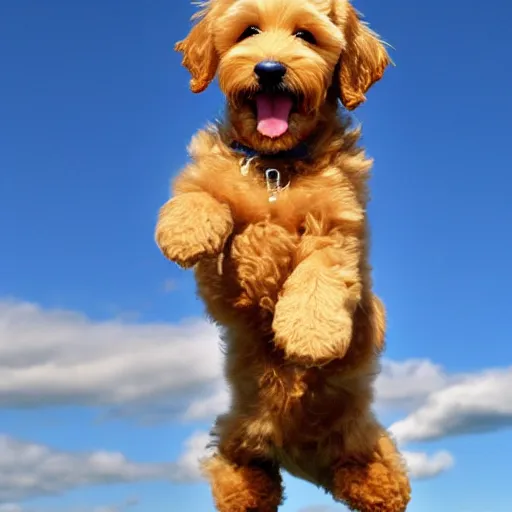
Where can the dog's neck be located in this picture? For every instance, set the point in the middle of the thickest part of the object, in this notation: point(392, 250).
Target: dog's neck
point(299, 152)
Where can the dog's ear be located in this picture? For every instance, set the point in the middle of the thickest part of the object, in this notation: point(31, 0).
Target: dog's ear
point(364, 59)
point(198, 49)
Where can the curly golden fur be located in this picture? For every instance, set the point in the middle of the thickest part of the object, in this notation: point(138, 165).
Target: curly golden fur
point(288, 280)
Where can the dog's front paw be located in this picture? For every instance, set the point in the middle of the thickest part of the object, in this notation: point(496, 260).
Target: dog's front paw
point(311, 337)
point(192, 226)
point(313, 321)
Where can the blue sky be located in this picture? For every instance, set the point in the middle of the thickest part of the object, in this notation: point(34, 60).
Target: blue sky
point(106, 368)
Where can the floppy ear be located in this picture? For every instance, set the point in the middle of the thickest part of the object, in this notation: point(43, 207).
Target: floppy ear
point(198, 49)
point(364, 59)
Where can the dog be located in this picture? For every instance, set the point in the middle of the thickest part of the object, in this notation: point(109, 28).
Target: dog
point(271, 214)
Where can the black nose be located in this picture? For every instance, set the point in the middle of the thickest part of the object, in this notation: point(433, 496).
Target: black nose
point(270, 72)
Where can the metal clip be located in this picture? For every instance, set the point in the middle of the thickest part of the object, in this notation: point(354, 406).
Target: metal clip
point(273, 179)
point(245, 164)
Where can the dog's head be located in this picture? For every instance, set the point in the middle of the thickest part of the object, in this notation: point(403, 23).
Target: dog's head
point(280, 61)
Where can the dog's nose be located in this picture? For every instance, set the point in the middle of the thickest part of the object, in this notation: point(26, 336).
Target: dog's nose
point(270, 71)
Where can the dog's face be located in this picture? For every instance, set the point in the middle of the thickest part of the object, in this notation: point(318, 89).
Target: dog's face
point(278, 62)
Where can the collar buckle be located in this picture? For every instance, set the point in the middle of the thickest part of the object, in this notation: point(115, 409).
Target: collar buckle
point(273, 180)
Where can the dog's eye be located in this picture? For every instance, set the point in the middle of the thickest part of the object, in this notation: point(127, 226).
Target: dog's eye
point(249, 32)
point(306, 36)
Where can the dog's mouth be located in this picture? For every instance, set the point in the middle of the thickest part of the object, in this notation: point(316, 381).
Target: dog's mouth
point(272, 109)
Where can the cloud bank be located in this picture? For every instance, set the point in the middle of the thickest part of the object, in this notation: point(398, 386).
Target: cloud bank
point(475, 404)
point(63, 358)
point(30, 470)
point(165, 372)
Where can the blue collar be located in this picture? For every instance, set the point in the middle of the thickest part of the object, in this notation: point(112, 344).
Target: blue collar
point(299, 152)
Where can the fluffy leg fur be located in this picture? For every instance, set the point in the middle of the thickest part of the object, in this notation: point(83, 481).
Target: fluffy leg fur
point(375, 481)
point(313, 317)
point(251, 488)
point(192, 225)
point(241, 474)
point(263, 253)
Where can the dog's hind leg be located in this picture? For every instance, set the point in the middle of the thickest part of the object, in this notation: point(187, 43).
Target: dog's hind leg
point(372, 479)
point(255, 487)
point(242, 474)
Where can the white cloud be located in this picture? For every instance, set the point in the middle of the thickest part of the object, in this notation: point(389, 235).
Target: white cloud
point(11, 507)
point(187, 466)
point(476, 403)
point(59, 357)
point(210, 405)
point(422, 466)
point(408, 383)
point(29, 470)
point(123, 507)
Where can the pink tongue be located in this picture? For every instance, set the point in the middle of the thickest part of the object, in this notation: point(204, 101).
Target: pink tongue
point(273, 114)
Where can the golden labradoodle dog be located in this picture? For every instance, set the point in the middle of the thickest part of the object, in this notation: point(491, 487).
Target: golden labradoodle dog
point(271, 213)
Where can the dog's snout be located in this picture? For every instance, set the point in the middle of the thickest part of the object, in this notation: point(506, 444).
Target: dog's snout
point(270, 71)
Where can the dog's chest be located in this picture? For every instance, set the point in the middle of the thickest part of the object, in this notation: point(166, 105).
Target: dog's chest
point(260, 253)
point(261, 257)
point(273, 215)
